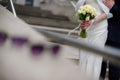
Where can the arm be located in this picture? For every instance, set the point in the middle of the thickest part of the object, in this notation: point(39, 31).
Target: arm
point(100, 18)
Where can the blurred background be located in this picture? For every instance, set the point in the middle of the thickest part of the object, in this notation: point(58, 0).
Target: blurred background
point(54, 15)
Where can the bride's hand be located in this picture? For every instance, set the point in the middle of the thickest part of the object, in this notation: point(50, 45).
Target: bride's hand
point(86, 24)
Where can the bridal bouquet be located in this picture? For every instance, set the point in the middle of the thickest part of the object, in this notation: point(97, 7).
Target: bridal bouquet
point(86, 12)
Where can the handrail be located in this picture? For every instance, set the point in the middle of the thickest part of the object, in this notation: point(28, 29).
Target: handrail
point(13, 8)
point(108, 53)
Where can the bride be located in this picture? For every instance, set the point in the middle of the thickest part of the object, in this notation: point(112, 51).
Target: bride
point(97, 34)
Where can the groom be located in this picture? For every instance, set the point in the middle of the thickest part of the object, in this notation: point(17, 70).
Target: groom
point(113, 39)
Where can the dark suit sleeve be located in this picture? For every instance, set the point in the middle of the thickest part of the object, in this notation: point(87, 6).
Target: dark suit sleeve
point(115, 10)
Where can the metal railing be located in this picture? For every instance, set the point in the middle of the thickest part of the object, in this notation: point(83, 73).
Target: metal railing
point(13, 8)
point(108, 53)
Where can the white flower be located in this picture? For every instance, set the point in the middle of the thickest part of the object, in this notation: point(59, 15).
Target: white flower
point(87, 18)
point(85, 10)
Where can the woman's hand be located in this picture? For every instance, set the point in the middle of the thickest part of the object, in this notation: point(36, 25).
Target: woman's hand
point(86, 24)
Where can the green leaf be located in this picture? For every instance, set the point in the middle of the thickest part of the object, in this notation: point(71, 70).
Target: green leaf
point(92, 17)
point(81, 17)
point(88, 14)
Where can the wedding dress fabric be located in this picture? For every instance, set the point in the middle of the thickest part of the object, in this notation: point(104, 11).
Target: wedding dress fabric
point(97, 34)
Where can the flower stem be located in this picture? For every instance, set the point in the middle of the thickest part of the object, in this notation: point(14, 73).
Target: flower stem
point(83, 33)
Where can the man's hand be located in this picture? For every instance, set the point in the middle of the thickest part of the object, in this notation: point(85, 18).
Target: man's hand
point(109, 3)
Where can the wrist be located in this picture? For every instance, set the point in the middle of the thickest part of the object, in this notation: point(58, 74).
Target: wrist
point(93, 21)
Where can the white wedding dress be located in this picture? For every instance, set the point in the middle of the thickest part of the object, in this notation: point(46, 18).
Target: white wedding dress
point(97, 34)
